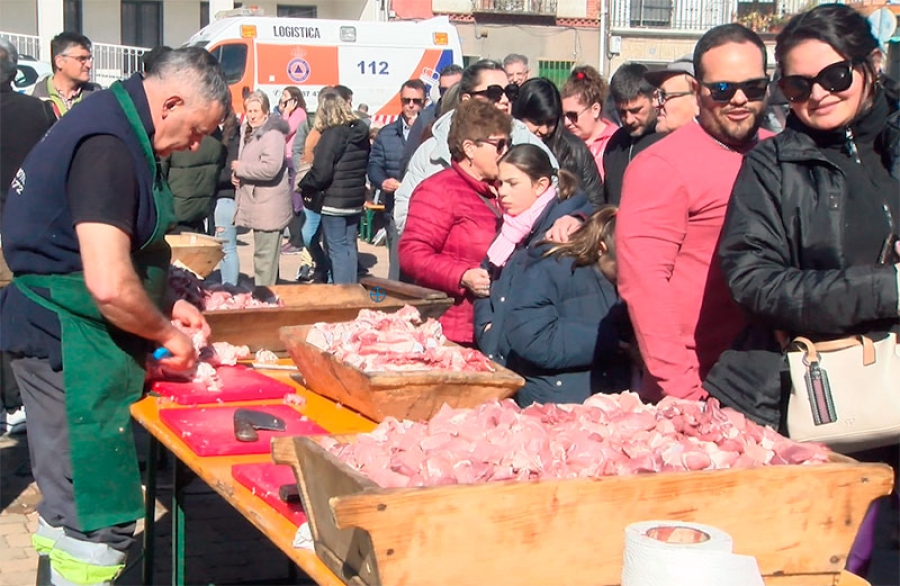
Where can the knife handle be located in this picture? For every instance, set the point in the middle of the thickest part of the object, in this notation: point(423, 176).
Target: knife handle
point(289, 493)
point(244, 431)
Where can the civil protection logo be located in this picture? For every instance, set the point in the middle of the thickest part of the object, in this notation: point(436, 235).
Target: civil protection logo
point(298, 70)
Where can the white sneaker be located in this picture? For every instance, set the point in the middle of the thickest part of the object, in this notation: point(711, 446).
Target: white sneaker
point(13, 422)
point(380, 237)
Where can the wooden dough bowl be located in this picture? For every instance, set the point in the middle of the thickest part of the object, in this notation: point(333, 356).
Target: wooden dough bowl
point(198, 252)
point(415, 395)
point(798, 521)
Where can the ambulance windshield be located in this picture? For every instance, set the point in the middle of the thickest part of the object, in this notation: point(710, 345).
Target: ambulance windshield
point(233, 59)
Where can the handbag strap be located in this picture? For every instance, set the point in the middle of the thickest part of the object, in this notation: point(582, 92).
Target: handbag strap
point(812, 349)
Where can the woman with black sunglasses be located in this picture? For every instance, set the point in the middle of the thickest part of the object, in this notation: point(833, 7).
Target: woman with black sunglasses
point(539, 106)
point(809, 243)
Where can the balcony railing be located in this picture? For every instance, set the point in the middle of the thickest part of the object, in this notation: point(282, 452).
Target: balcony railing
point(532, 7)
point(685, 15)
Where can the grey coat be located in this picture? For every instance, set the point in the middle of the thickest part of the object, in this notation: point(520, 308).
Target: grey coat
point(263, 199)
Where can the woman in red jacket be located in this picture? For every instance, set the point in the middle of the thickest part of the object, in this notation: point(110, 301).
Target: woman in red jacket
point(454, 216)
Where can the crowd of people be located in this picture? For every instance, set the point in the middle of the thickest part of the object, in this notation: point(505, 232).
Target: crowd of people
point(670, 244)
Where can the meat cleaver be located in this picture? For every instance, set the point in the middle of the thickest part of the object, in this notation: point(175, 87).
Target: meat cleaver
point(247, 421)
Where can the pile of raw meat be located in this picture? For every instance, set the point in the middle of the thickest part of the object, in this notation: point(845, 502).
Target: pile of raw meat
point(608, 435)
point(208, 298)
point(401, 341)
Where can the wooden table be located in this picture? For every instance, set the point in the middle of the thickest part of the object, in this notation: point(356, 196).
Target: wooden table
point(216, 472)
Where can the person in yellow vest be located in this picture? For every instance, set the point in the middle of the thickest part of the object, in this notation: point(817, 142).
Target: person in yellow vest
point(90, 301)
point(72, 60)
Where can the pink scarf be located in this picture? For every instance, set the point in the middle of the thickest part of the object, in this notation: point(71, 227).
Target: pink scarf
point(516, 228)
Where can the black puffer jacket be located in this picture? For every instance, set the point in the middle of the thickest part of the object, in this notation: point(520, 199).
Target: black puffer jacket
point(784, 255)
point(339, 168)
point(574, 156)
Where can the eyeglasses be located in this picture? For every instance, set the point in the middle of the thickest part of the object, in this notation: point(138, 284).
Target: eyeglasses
point(80, 58)
point(723, 91)
point(574, 116)
point(443, 90)
point(500, 144)
point(285, 102)
point(837, 77)
point(495, 93)
point(416, 101)
point(663, 96)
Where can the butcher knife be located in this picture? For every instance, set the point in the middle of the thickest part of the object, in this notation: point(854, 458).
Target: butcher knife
point(247, 421)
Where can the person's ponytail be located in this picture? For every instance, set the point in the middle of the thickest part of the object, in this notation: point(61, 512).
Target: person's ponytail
point(566, 186)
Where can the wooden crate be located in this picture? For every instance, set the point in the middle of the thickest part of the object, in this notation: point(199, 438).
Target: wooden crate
point(198, 252)
point(415, 395)
point(798, 521)
point(308, 304)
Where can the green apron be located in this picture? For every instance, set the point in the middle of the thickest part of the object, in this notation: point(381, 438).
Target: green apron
point(103, 367)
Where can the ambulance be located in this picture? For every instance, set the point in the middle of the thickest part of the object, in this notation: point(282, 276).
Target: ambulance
point(371, 58)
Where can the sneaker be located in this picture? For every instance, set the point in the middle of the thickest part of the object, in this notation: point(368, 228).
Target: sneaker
point(380, 237)
point(291, 249)
point(14, 421)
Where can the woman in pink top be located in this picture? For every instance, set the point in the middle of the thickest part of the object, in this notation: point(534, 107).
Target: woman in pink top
point(583, 96)
point(292, 107)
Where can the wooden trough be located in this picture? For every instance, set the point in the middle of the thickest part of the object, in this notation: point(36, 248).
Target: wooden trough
point(415, 395)
point(308, 304)
point(198, 252)
point(798, 521)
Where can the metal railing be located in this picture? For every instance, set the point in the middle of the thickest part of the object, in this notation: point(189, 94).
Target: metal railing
point(111, 62)
point(115, 62)
point(540, 7)
point(684, 15)
point(25, 44)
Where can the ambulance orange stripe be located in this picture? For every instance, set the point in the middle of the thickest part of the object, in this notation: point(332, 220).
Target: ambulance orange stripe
point(429, 60)
point(274, 60)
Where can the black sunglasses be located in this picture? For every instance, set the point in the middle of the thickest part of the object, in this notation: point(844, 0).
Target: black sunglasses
point(500, 144)
point(723, 91)
point(574, 116)
point(495, 92)
point(416, 101)
point(837, 77)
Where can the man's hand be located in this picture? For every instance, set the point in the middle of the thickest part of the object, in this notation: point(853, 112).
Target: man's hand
point(562, 228)
point(390, 185)
point(235, 181)
point(184, 355)
point(190, 317)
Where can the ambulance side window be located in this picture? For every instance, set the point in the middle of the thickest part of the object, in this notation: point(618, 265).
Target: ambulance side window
point(233, 59)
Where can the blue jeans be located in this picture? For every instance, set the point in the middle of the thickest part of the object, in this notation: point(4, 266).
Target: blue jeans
point(340, 238)
point(311, 239)
point(230, 267)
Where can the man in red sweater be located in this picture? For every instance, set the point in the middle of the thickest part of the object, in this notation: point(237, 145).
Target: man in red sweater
point(673, 206)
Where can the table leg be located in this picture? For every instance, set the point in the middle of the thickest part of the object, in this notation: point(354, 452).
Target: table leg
point(177, 524)
point(150, 513)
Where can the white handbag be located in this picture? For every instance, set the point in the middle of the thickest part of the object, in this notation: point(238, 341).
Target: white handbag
point(845, 393)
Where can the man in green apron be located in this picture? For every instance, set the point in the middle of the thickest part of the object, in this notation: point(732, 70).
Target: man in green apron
point(89, 300)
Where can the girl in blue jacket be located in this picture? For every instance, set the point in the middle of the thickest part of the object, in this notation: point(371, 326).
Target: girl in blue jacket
point(552, 316)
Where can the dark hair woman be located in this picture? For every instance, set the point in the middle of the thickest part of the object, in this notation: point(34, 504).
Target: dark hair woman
point(454, 215)
point(532, 195)
point(808, 242)
point(540, 108)
point(564, 323)
point(583, 97)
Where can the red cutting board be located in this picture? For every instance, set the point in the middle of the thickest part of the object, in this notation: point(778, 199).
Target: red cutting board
point(264, 480)
point(239, 383)
point(209, 431)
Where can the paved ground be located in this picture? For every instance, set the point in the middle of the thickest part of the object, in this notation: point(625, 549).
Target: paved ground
point(223, 549)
